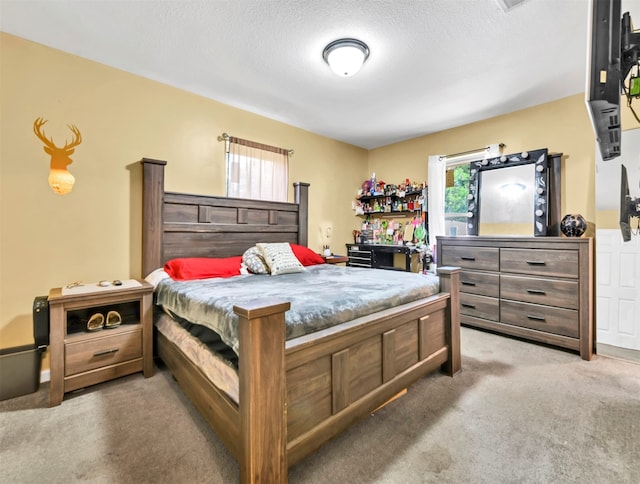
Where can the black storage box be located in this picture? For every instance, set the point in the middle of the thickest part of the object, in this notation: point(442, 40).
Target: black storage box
point(41, 321)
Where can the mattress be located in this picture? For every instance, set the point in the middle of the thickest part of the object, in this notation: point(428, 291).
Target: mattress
point(322, 296)
point(219, 370)
point(192, 313)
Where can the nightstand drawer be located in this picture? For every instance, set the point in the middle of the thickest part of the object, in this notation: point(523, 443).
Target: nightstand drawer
point(480, 258)
point(480, 306)
point(102, 350)
point(543, 262)
point(542, 318)
point(480, 283)
point(561, 293)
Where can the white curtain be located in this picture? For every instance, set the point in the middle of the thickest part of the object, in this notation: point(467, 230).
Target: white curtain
point(438, 165)
point(435, 197)
point(257, 171)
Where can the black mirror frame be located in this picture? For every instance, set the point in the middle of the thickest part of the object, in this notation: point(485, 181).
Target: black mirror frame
point(546, 205)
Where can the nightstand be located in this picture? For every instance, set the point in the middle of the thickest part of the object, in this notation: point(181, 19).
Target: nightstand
point(80, 357)
point(336, 259)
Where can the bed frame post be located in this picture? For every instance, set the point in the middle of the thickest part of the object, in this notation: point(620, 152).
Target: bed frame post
point(450, 282)
point(263, 392)
point(302, 199)
point(152, 197)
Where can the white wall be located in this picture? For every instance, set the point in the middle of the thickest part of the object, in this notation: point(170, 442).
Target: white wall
point(618, 262)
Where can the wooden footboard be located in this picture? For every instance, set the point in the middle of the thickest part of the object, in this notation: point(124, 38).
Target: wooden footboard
point(333, 377)
point(295, 395)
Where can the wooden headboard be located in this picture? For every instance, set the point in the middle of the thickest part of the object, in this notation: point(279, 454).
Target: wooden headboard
point(185, 225)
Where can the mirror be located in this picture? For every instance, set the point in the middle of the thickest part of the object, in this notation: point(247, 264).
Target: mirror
point(514, 194)
point(508, 208)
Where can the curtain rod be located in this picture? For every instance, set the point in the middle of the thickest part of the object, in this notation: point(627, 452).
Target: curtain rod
point(464, 153)
point(225, 137)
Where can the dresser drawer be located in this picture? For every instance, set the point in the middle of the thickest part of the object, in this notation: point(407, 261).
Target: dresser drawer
point(480, 258)
point(359, 257)
point(543, 318)
point(481, 283)
point(561, 293)
point(543, 262)
point(102, 350)
point(480, 306)
point(357, 252)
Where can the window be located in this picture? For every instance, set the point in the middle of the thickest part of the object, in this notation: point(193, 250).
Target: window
point(448, 202)
point(257, 171)
point(456, 200)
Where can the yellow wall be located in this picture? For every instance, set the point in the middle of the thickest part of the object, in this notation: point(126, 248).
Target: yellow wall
point(47, 240)
point(93, 233)
point(610, 219)
point(562, 126)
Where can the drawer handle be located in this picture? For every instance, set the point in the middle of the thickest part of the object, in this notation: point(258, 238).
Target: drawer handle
point(536, 291)
point(467, 283)
point(468, 258)
point(536, 318)
point(470, 306)
point(536, 263)
point(106, 352)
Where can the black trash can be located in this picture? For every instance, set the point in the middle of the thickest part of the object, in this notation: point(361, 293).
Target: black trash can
point(20, 370)
point(20, 366)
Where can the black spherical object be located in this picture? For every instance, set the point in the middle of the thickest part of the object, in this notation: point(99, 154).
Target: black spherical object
point(573, 225)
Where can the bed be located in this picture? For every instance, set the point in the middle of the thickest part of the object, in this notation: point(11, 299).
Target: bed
point(293, 394)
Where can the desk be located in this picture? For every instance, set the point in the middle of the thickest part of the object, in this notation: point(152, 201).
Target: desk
point(381, 256)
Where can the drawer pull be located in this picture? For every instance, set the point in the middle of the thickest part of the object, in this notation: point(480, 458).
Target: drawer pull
point(536, 263)
point(468, 258)
point(467, 283)
point(470, 306)
point(536, 318)
point(536, 291)
point(106, 352)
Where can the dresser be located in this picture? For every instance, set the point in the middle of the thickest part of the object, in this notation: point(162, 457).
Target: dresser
point(537, 288)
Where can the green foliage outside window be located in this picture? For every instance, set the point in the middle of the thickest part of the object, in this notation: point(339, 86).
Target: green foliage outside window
point(456, 197)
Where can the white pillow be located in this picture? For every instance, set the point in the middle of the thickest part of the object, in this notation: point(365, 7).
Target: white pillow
point(280, 258)
point(156, 276)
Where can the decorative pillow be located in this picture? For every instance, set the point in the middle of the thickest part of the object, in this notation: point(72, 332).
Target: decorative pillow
point(306, 256)
point(190, 268)
point(280, 258)
point(254, 261)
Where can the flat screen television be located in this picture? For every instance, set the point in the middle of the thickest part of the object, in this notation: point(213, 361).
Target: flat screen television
point(614, 52)
point(625, 222)
point(629, 207)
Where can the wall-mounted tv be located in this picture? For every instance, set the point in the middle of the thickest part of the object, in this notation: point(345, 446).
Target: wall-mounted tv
point(629, 207)
point(614, 60)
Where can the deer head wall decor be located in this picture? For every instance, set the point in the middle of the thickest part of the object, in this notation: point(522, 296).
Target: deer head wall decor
point(60, 180)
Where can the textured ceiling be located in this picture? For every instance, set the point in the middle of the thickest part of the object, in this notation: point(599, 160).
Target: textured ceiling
point(434, 64)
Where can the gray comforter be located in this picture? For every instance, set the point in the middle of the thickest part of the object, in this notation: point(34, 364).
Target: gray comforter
point(320, 297)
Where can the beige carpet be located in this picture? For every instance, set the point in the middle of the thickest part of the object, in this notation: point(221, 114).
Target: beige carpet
point(518, 413)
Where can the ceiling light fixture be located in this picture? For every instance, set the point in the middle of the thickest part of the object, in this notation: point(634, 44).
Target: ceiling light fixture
point(346, 56)
point(513, 189)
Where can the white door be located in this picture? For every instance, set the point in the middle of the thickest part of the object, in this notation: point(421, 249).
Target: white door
point(617, 290)
point(617, 262)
